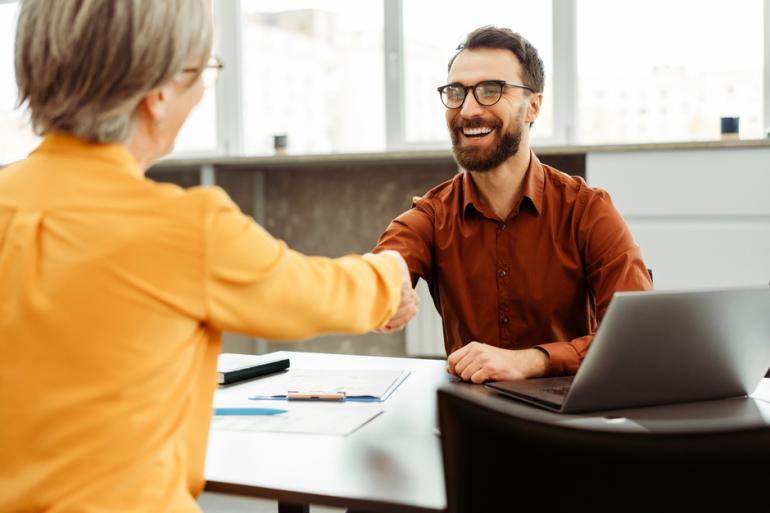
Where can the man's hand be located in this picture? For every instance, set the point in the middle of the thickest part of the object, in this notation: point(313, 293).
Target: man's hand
point(479, 362)
point(410, 301)
point(406, 310)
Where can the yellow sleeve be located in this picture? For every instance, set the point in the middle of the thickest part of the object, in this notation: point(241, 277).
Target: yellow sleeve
point(255, 284)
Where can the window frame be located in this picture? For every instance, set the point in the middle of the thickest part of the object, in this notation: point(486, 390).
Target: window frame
point(229, 90)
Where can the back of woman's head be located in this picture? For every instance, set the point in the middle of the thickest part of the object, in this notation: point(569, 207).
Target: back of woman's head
point(83, 66)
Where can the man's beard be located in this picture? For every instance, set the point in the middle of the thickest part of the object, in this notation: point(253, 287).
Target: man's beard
point(485, 159)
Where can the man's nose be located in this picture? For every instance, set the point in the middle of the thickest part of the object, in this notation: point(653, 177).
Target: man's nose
point(471, 107)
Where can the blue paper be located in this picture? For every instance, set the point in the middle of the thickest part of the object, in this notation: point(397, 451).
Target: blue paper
point(247, 411)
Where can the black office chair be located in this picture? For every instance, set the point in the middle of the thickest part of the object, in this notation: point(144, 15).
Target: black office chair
point(497, 461)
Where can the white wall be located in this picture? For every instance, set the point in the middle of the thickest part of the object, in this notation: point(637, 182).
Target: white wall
point(424, 334)
point(701, 216)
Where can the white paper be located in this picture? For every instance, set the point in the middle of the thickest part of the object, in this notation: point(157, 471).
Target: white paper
point(342, 422)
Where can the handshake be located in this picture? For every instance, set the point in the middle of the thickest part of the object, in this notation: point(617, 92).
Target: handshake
point(410, 301)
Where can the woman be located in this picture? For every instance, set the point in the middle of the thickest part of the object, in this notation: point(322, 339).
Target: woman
point(116, 288)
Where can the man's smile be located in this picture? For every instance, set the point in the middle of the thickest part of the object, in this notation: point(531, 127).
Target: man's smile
point(477, 133)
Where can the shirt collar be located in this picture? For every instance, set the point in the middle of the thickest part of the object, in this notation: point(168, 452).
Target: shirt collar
point(533, 185)
point(116, 155)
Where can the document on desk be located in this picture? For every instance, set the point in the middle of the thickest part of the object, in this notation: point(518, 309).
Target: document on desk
point(365, 385)
point(342, 422)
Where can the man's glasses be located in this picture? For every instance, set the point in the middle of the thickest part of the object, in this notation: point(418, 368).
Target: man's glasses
point(487, 93)
point(209, 72)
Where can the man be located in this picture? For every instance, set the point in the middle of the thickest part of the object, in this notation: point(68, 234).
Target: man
point(521, 259)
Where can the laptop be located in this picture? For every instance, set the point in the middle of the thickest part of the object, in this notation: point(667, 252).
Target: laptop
point(662, 347)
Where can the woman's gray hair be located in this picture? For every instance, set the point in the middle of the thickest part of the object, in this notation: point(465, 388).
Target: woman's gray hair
point(82, 67)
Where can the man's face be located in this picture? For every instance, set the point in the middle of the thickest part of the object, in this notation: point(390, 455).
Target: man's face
point(483, 137)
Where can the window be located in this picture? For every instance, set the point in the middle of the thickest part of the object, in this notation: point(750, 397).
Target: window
point(16, 137)
point(668, 71)
point(199, 133)
point(432, 31)
point(313, 72)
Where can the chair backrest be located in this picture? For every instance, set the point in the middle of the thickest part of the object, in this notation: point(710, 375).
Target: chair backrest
point(496, 461)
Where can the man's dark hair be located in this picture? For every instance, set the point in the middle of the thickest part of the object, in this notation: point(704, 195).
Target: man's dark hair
point(496, 37)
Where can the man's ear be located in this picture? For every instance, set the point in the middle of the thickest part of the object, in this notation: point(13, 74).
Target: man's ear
point(533, 109)
point(155, 105)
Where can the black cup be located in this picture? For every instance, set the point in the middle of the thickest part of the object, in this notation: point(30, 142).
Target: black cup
point(730, 126)
point(280, 143)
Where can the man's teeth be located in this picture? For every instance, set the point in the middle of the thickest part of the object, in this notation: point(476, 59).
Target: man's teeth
point(476, 131)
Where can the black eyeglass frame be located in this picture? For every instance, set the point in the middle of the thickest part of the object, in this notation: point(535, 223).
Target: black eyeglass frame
point(213, 63)
point(501, 83)
point(209, 71)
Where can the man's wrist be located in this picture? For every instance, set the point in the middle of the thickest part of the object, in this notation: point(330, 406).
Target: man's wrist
point(540, 360)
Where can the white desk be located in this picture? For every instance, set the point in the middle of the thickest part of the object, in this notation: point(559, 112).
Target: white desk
point(391, 464)
point(394, 463)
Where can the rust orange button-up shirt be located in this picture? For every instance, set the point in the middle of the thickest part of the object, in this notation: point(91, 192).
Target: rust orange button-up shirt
point(543, 277)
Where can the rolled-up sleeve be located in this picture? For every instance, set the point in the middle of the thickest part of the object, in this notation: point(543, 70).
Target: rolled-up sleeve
point(613, 263)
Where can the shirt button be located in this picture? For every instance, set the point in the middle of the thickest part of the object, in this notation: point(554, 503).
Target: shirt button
point(504, 320)
point(503, 226)
point(502, 274)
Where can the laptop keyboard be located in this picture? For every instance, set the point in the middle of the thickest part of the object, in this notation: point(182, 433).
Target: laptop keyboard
point(558, 390)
